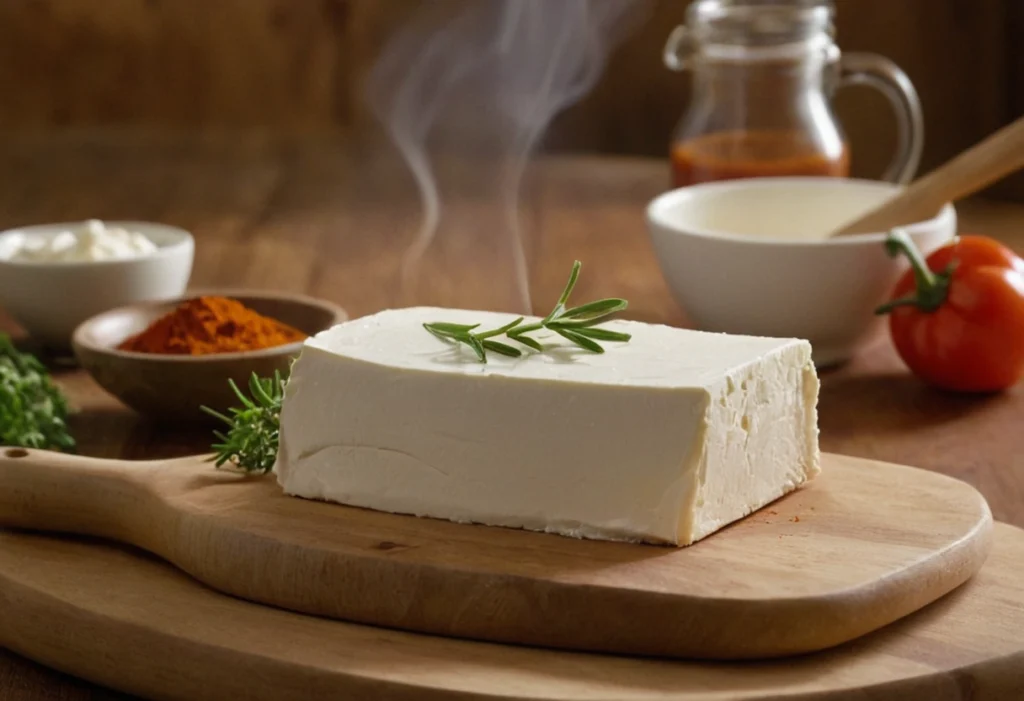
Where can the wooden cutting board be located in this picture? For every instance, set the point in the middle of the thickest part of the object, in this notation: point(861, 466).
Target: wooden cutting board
point(126, 620)
point(862, 546)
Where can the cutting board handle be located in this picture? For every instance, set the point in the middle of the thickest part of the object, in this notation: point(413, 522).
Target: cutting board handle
point(44, 490)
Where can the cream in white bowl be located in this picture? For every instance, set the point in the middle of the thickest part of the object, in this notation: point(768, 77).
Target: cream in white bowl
point(55, 276)
point(752, 257)
point(87, 241)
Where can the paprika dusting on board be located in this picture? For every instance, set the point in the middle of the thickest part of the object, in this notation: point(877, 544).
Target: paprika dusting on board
point(207, 325)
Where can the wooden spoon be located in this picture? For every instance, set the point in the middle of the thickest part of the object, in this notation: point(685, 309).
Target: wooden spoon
point(981, 165)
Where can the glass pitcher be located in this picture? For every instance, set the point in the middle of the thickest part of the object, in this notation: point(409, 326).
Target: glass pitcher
point(763, 73)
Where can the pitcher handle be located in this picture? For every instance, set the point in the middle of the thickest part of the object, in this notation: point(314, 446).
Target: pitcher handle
point(678, 49)
point(884, 75)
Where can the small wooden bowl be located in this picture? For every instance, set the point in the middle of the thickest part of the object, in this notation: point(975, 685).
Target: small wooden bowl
point(173, 387)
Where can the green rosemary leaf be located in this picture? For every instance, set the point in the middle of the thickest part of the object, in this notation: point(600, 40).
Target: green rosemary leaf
point(451, 328)
point(502, 348)
point(251, 441)
point(501, 329)
point(260, 391)
point(601, 334)
point(578, 323)
point(575, 324)
point(555, 314)
point(527, 341)
point(600, 308)
point(477, 346)
point(246, 402)
point(573, 277)
point(446, 336)
point(581, 341)
point(33, 411)
point(217, 415)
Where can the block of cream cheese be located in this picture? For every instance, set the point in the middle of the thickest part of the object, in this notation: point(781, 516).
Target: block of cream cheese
point(664, 439)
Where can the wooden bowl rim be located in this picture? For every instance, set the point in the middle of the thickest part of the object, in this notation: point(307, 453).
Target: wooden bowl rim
point(80, 338)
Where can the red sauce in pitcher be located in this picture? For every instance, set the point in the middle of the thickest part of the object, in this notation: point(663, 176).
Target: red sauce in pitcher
point(751, 154)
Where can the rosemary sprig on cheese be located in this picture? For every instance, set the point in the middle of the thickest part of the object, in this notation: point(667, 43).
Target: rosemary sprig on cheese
point(575, 324)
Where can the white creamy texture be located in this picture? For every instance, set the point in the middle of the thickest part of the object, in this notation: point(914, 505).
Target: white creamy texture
point(663, 439)
point(794, 212)
point(91, 241)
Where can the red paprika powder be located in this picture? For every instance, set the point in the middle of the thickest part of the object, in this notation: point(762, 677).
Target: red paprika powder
point(206, 325)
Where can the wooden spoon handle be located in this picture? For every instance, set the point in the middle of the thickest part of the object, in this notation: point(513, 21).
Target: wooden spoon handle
point(981, 165)
point(43, 490)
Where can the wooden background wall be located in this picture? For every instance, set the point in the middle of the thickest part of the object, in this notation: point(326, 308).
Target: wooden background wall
point(298, 65)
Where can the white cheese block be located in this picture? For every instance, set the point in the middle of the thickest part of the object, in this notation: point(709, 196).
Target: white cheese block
point(664, 439)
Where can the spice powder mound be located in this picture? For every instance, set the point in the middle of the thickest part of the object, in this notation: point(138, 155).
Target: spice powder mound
point(207, 325)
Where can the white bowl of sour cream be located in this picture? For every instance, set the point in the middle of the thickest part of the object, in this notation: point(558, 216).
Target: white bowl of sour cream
point(54, 276)
point(751, 257)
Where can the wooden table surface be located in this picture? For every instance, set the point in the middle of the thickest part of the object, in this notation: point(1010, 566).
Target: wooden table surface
point(313, 215)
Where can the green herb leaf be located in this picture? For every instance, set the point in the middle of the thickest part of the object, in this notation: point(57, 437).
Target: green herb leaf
point(253, 434)
point(592, 310)
point(446, 336)
point(502, 348)
point(579, 340)
point(501, 329)
point(575, 324)
point(602, 334)
point(527, 341)
point(33, 411)
point(477, 346)
point(573, 277)
point(452, 328)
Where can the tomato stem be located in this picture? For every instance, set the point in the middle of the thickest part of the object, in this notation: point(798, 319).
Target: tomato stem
point(931, 288)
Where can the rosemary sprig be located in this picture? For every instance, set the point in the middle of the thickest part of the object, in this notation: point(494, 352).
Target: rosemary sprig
point(33, 411)
point(575, 324)
point(251, 440)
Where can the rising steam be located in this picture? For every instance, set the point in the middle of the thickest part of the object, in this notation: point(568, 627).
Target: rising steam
point(484, 78)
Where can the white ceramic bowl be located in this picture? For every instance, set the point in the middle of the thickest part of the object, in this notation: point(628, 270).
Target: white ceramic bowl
point(51, 299)
point(740, 258)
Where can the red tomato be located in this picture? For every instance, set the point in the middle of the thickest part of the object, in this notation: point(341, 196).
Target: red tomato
point(961, 325)
point(970, 251)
